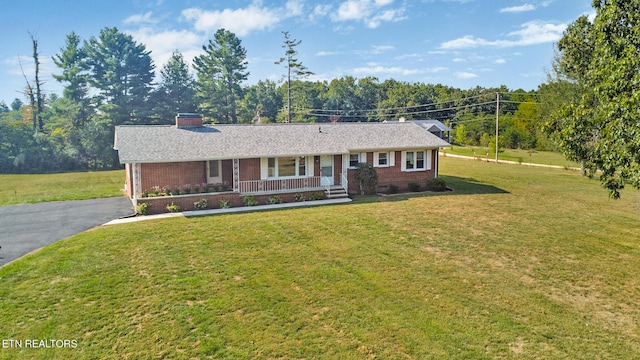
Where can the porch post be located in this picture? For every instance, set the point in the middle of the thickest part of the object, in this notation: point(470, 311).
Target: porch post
point(345, 165)
point(236, 175)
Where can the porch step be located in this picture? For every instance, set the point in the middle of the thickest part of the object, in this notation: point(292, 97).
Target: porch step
point(336, 193)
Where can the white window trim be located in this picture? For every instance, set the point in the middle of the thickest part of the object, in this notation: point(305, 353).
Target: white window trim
point(428, 154)
point(308, 168)
point(391, 159)
point(361, 156)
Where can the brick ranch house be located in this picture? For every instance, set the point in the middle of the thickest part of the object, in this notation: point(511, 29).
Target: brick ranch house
point(288, 160)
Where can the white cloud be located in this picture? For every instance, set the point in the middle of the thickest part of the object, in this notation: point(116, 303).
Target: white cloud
point(408, 56)
point(163, 43)
point(518, 9)
point(244, 20)
point(373, 68)
point(500, 61)
point(371, 13)
point(530, 33)
point(379, 49)
point(538, 32)
point(326, 53)
point(141, 19)
point(465, 75)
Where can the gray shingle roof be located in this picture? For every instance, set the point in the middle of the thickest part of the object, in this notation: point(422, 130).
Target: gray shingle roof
point(158, 143)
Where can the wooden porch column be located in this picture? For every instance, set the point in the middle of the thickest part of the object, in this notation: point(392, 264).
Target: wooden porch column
point(236, 175)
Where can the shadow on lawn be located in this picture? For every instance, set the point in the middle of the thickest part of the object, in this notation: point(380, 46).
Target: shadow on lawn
point(470, 186)
point(458, 186)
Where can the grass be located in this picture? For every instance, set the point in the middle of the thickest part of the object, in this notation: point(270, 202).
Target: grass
point(35, 188)
point(518, 262)
point(517, 155)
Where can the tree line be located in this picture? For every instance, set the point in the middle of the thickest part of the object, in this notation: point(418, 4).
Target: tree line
point(588, 108)
point(109, 80)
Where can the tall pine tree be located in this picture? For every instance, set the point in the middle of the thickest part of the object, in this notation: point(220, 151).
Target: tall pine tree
point(220, 71)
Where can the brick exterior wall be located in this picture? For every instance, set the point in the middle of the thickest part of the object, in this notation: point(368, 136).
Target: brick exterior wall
point(172, 174)
point(249, 169)
point(394, 175)
point(177, 175)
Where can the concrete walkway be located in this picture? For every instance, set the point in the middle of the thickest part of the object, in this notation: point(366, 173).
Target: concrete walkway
point(230, 210)
point(28, 227)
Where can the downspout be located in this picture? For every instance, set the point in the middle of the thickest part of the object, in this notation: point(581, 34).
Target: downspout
point(134, 182)
point(437, 155)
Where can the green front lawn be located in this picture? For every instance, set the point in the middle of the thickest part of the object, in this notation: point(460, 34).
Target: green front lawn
point(518, 262)
point(517, 155)
point(34, 188)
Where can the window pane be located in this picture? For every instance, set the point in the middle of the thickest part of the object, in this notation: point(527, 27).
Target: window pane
point(354, 159)
point(420, 162)
point(382, 158)
point(302, 168)
point(271, 167)
point(409, 160)
point(213, 169)
point(286, 166)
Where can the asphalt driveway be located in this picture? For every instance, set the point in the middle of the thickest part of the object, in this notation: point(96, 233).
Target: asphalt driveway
point(25, 228)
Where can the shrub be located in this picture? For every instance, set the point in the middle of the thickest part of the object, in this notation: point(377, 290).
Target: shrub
point(224, 204)
point(298, 197)
point(145, 194)
point(156, 190)
point(187, 189)
point(172, 208)
point(275, 199)
point(393, 189)
point(415, 187)
point(176, 192)
point(367, 177)
point(142, 208)
point(166, 191)
point(200, 205)
point(249, 200)
point(316, 196)
point(436, 184)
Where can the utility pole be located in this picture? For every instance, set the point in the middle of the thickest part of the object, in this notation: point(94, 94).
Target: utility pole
point(497, 121)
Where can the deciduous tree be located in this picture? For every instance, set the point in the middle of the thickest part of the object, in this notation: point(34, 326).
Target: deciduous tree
point(602, 128)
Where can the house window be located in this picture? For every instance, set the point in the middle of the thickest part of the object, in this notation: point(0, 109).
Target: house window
point(286, 167)
point(383, 159)
point(271, 165)
point(354, 159)
point(302, 166)
point(214, 169)
point(415, 160)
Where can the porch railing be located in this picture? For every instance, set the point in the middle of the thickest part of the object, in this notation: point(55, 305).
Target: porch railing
point(257, 186)
point(344, 181)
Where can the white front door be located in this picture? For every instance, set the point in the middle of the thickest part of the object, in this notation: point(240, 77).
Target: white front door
point(214, 172)
point(326, 170)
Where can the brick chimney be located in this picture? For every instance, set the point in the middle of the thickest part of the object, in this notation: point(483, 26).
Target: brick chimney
point(184, 120)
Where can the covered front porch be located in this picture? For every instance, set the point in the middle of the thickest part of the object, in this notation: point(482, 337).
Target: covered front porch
point(252, 176)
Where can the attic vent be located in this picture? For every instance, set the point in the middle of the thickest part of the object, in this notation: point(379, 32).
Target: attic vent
point(184, 120)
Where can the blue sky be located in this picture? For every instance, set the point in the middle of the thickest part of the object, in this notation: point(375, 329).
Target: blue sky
point(460, 43)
